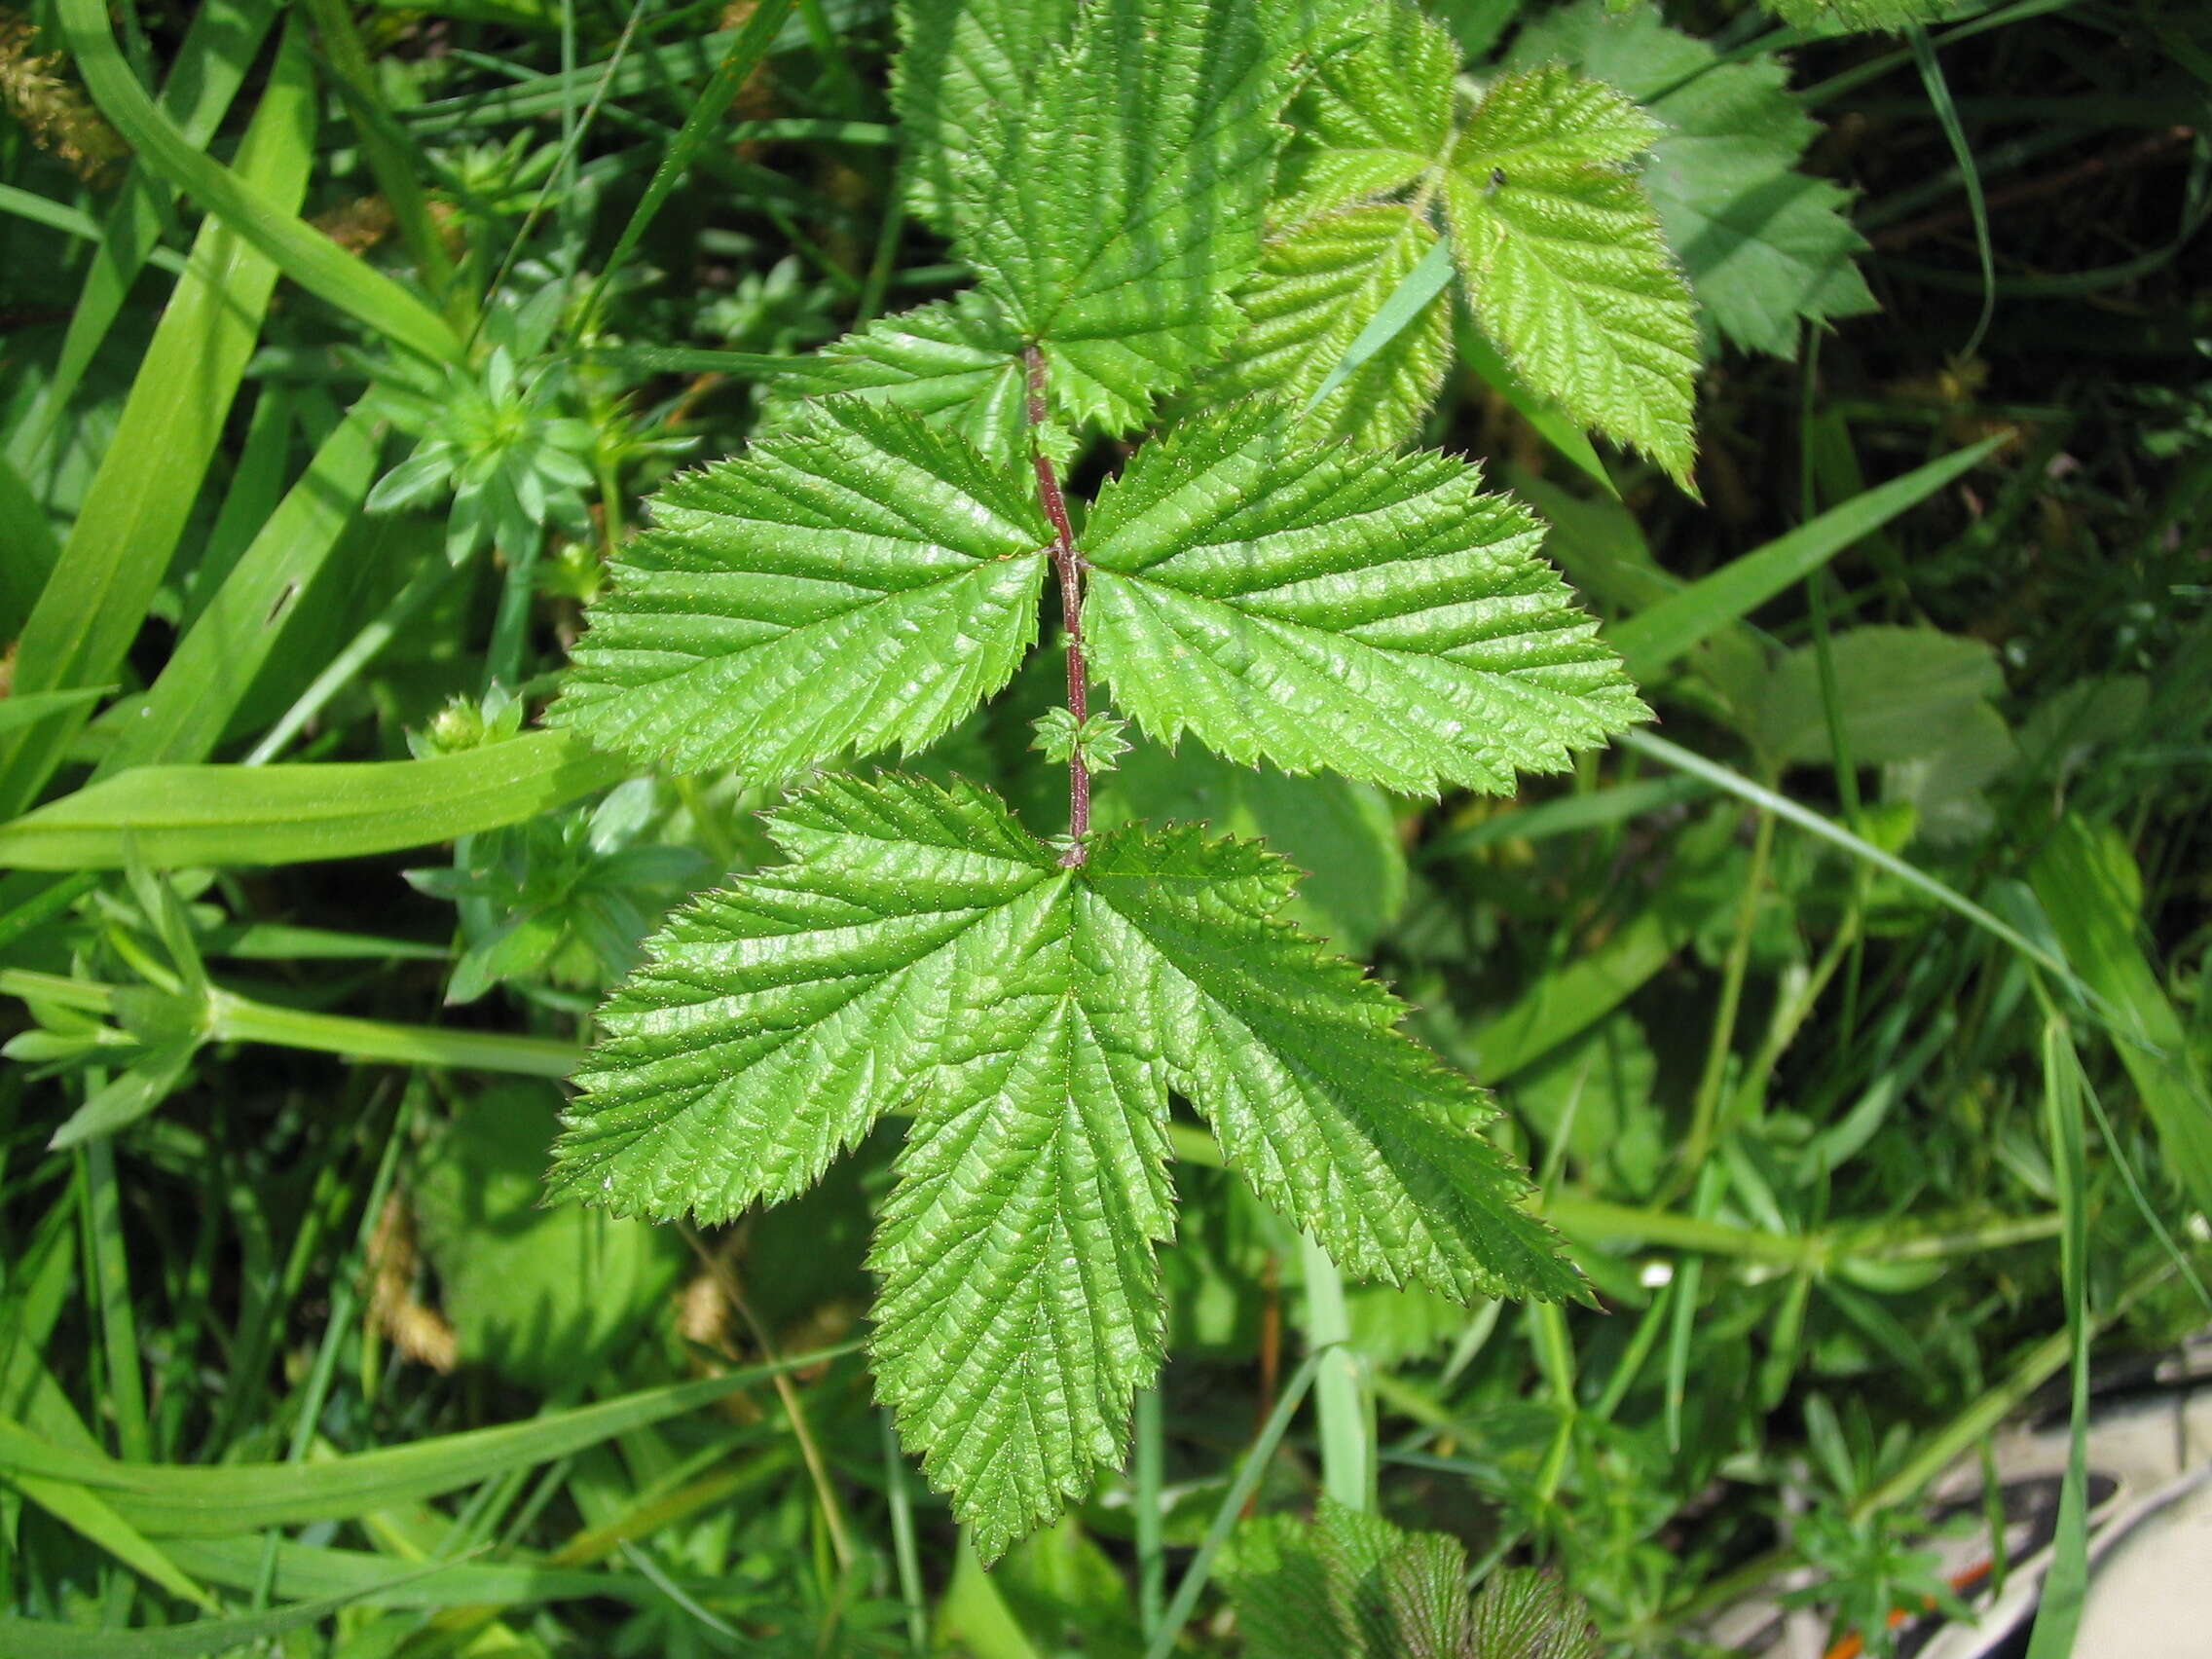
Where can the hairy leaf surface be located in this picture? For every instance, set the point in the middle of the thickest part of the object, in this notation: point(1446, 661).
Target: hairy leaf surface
point(1318, 285)
point(1372, 120)
point(957, 364)
point(1112, 213)
point(957, 58)
point(1341, 1122)
point(1324, 609)
point(1762, 243)
point(922, 953)
point(1021, 1306)
point(774, 1020)
point(1354, 1586)
point(1562, 253)
point(857, 582)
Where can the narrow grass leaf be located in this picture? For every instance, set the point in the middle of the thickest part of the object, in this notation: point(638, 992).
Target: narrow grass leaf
point(2058, 1611)
point(217, 1501)
point(1664, 632)
point(2088, 886)
point(178, 816)
point(135, 510)
point(212, 63)
point(200, 687)
point(303, 253)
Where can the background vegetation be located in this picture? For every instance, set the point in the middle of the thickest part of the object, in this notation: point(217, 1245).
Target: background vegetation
point(1855, 1018)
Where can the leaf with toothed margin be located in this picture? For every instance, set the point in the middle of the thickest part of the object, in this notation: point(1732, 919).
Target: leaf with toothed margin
point(1318, 285)
point(957, 364)
point(857, 582)
point(1372, 120)
point(1112, 211)
point(774, 1020)
point(1562, 254)
point(922, 953)
point(1341, 1123)
point(956, 59)
point(1322, 609)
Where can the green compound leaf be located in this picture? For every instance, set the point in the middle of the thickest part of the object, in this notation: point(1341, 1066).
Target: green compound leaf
point(1858, 14)
point(1111, 212)
point(1021, 1306)
point(774, 1020)
point(1372, 120)
point(923, 953)
point(1562, 252)
point(1354, 1586)
point(1318, 285)
point(957, 364)
point(1339, 1121)
point(1763, 244)
point(957, 60)
point(858, 582)
point(1324, 609)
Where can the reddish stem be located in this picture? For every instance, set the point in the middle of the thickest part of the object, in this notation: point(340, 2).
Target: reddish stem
point(1070, 572)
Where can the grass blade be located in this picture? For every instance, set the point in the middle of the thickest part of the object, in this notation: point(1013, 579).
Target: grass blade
point(709, 112)
point(2086, 883)
point(1655, 637)
point(212, 667)
point(2058, 1615)
point(1836, 836)
point(220, 1501)
point(134, 513)
point(178, 816)
point(1408, 300)
point(1241, 1490)
point(303, 253)
point(211, 65)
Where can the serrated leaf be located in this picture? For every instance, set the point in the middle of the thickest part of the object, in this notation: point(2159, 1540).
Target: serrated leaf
point(1318, 285)
point(1356, 1587)
point(774, 1020)
point(1373, 119)
point(923, 953)
point(1565, 263)
point(858, 582)
point(1762, 244)
point(1111, 212)
point(957, 58)
point(1320, 608)
point(1341, 834)
point(1021, 1306)
point(1858, 14)
point(1525, 1614)
point(1341, 1123)
point(957, 364)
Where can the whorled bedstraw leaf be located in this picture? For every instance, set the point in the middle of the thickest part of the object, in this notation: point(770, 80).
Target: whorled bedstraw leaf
point(856, 582)
point(956, 59)
point(1111, 212)
point(1763, 244)
point(1563, 260)
point(1319, 283)
point(923, 953)
point(956, 363)
point(1321, 609)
